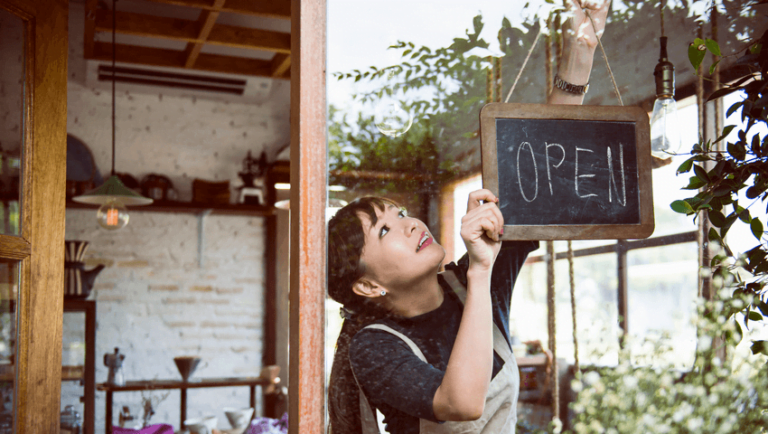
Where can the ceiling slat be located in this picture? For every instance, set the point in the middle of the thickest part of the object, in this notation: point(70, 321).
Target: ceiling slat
point(280, 63)
point(149, 26)
point(175, 59)
point(264, 8)
point(205, 24)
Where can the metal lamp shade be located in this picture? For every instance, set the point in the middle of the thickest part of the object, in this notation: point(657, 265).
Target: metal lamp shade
point(112, 190)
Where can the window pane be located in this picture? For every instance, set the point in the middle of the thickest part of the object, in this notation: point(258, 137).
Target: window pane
point(596, 307)
point(11, 120)
point(9, 289)
point(661, 294)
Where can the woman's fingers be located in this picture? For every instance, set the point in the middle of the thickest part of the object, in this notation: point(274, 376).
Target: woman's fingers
point(488, 217)
point(477, 197)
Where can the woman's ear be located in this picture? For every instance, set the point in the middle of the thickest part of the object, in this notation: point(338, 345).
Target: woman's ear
point(367, 288)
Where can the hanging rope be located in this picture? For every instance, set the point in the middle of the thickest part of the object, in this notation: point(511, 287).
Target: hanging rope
point(572, 282)
point(554, 379)
point(525, 62)
point(489, 87)
point(605, 56)
point(497, 79)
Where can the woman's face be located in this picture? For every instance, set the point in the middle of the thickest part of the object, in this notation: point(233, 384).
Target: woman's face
point(398, 249)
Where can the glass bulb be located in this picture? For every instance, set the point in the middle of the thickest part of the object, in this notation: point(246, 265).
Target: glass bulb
point(112, 215)
point(665, 133)
point(391, 119)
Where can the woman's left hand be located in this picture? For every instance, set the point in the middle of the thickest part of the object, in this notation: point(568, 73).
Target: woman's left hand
point(578, 29)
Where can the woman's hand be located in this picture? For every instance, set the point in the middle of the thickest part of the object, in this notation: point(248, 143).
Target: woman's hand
point(579, 43)
point(481, 229)
point(578, 30)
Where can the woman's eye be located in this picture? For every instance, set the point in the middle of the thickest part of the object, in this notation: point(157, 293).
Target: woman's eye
point(403, 213)
point(383, 231)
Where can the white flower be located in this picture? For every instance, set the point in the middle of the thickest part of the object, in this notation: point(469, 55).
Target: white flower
point(738, 304)
point(591, 378)
point(596, 426)
point(682, 412)
point(630, 381)
point(695, 423)
point(705, 343)
point(641, 398)
point(556, 425)
point(577, 386)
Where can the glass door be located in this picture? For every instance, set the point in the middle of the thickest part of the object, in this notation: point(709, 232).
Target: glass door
point(33, 106)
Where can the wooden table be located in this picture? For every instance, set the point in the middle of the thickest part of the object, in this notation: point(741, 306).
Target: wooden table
point(267, 380)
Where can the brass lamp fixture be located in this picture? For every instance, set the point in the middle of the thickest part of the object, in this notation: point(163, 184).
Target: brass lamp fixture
point(113, 196)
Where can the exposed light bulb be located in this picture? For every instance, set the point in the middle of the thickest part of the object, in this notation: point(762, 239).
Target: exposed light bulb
point(665, 133)
point(112, 215)
point(665, 129)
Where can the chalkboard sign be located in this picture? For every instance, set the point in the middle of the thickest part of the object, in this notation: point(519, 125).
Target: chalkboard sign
point(569, 172)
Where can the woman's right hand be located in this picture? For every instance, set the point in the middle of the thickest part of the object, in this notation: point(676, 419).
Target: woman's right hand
point(481, 229)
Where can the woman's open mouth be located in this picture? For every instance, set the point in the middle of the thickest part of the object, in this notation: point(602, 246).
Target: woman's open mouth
point(424, 241)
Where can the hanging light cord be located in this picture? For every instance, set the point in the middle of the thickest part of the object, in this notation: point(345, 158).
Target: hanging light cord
point(114, 49)
point(661, 15)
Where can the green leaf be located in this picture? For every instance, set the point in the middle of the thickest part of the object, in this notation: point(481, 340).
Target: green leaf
point(737, 150)
point(755, 144)
point(681, 206)
point(716, 218)
point(757, 228)
point(755, 49)
point(755, 316)
point(701, 173)
point(712, 68)
point(695, 55)
point(727, 130)
point(712, 46)
point(722, 92)
point(686, 166)
point(713, 235)
point(759, 347)
point(694, 183)
point(745, 216)
point(732, 109)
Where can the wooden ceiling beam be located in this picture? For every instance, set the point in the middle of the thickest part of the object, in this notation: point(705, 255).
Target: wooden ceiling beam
point(280, 64)
point(150, 26)
point(280, 9)
point(176, 59)
point(206, 22)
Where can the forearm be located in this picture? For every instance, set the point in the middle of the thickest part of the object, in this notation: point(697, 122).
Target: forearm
point(461, 395)
point(575, 68)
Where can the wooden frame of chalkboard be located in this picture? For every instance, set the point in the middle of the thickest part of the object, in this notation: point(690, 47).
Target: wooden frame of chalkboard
point(538, 150)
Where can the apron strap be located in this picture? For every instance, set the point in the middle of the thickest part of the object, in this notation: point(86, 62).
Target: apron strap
point(456, 286)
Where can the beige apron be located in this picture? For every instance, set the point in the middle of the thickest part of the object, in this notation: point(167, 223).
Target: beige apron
point(500, 414)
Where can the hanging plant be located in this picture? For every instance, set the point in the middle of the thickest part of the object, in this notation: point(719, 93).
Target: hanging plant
point(741, 167)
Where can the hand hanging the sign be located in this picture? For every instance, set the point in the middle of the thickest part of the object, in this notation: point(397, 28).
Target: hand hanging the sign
point(579, 44)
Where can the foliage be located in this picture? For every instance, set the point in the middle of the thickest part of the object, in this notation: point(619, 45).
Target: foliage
point(743, 166)
point(723, 397)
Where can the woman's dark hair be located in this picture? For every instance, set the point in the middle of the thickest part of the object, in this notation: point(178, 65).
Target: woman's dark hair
point(346, 240)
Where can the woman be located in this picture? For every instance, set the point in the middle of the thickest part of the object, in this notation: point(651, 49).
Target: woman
point(431, 351)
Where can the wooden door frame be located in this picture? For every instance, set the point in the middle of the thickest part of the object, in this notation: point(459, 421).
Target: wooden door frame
point(40, 249)
point(308, 198)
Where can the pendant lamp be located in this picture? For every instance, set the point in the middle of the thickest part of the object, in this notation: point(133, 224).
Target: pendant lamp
point(665, 133)
point(112, 195)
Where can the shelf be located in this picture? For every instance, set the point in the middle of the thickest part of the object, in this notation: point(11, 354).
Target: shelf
point(191, 384)
point(192, 208)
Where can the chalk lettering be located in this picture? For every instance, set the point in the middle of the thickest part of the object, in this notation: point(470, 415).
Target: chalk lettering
point(590, 175)
point(546, 154)
point(612, 180)
point(535, 173)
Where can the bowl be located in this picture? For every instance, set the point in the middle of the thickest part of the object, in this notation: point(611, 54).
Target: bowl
point(238, 417)
point(186, 365)
point(202, 425)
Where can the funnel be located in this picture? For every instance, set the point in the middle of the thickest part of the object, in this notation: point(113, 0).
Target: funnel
point(186, 365)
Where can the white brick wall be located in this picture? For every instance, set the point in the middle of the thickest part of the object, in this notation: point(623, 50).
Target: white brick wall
point(155, 303)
